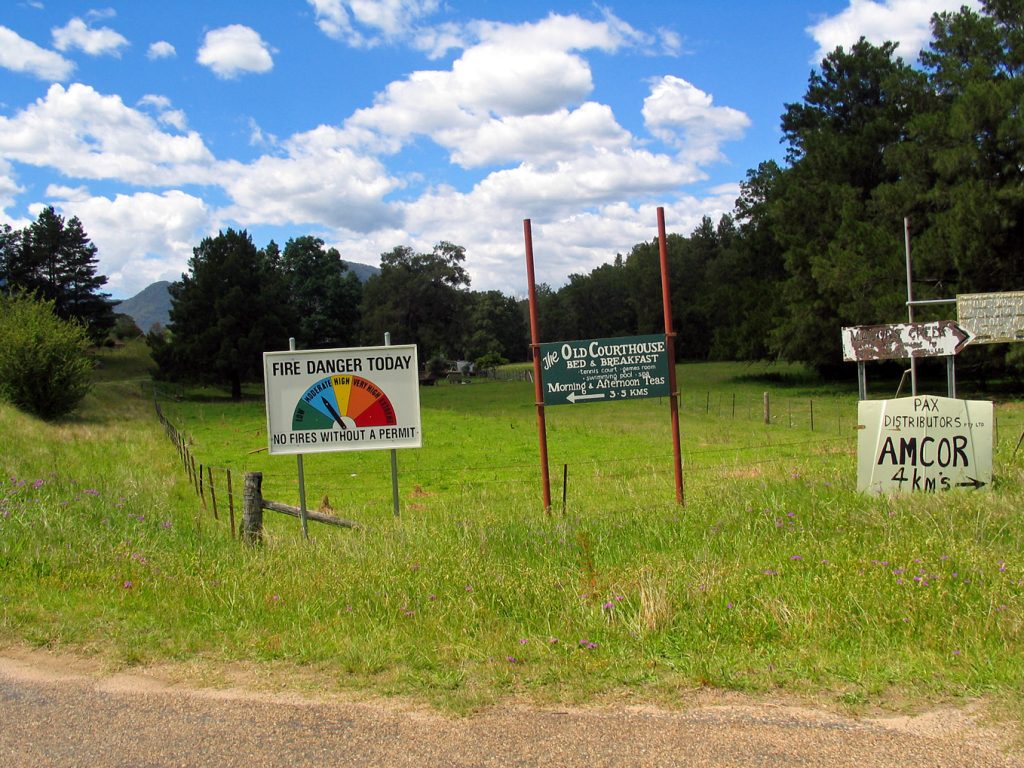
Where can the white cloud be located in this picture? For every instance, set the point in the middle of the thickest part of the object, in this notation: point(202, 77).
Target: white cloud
point(495, 79)
point(9, 186)
point(368, 23)
point(234, 50)
point(540, 139)
point(319, 180)
point(20, 55)
point(140, 238)
point(682, 115)
point(85, 134)
point(164, 113)
point(95, 42)
point(907, 22)
point(566, 239)
point(516, 108)
point(161, 50)
point(437, 40)
point(597, 177)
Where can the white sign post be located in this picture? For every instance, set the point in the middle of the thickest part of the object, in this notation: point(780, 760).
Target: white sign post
point(924, 443)
point(357, 399)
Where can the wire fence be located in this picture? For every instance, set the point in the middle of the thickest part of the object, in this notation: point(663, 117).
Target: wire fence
point(203, 478)
point(219, 489)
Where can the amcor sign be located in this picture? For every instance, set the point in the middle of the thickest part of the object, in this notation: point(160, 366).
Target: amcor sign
point(923, 444)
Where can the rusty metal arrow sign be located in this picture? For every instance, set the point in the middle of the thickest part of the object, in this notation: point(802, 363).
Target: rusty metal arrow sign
point(903, 340)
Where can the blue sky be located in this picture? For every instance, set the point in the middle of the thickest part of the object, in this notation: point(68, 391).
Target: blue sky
point(376, 123)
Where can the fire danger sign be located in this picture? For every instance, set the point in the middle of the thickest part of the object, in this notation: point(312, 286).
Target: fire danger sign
point(356, 399)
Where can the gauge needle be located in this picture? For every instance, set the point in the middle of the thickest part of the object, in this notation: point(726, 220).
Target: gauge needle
point(334, 413)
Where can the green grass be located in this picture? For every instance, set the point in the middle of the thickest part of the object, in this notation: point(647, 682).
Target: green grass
point(776, 574)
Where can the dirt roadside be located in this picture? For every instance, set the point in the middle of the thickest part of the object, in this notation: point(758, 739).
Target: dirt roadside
point(64, 711)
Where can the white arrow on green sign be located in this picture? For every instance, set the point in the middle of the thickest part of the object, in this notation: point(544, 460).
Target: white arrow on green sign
point(601, 370)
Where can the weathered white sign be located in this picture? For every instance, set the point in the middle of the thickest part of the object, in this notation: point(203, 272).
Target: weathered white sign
point(903, 340)
point(356, 399)
point(993, 318)
point(923, 444)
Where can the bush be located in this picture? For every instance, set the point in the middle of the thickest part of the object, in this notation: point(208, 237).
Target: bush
point(125, 328)
point(44, 364)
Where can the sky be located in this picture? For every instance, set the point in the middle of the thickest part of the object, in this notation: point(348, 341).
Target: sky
point(377, 123)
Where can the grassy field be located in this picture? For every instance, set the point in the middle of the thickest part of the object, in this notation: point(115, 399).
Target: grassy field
point(775, 574)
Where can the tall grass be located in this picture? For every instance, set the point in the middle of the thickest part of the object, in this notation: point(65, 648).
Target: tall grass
point(775, 574)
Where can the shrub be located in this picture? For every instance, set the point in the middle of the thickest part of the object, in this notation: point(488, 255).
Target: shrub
point(125, 328)
point(44, 364)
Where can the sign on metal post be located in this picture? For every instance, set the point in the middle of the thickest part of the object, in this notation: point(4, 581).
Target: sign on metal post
point(904, 340)
point(930, 444)
point(993, 318)
point(604, 370)
point(356, 399)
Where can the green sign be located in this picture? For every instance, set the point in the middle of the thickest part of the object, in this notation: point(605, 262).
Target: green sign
point(602, 370)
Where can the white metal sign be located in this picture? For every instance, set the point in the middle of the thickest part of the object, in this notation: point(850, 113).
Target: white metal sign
point(993, 318)
point(923, 444)
point(357, 399)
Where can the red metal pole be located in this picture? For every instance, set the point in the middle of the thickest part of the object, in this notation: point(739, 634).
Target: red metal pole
point(670, 342)
point(538, 386)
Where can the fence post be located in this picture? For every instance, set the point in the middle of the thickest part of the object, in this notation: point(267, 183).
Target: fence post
point(213, 492)
point(767, 410)
point(252, 512)
point(231, 504)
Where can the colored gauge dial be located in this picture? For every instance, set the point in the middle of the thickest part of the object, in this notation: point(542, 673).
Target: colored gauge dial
point(346, 401)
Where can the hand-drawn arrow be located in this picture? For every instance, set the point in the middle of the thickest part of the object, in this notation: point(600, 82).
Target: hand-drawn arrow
point(573, 397)
point(971, 483)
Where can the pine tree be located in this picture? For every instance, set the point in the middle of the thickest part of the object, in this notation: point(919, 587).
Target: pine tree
point(56, 261)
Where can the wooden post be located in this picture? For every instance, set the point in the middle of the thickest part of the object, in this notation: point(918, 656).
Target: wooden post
point(213, 493)
point(812, 415)
point(767, 410)
point(231, 505)
point(252, 514)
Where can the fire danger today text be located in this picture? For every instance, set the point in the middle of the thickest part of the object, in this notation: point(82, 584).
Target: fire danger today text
point(341, 365)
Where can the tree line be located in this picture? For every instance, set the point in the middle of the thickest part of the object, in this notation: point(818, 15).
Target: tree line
point(812, 244)
point(817, 243)
point(237, 301)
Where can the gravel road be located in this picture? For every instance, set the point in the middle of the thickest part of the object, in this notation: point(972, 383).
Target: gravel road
point(60, 712)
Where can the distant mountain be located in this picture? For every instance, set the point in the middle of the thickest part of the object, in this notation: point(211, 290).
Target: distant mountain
point(153, 303)
point(363, 271)
point(150, 306)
